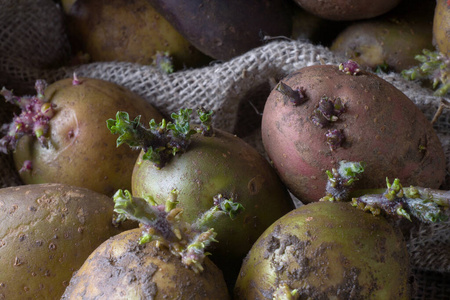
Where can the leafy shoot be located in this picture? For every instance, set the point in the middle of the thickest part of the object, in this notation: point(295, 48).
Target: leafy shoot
point(160, 141)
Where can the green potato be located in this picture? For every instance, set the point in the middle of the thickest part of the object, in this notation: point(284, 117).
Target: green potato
point(47, 232)
point(326, 250)
point(221, 182)
point(224, 165)
point(79, 149)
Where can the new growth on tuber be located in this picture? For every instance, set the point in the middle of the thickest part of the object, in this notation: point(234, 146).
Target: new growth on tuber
point(162, 223)
point(424, 204)
point(33, 120)
point(163, 140)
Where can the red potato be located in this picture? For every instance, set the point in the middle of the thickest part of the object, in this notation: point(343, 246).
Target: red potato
point(341, 10)
point(369, 121)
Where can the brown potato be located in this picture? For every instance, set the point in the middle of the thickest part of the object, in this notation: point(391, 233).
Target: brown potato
point(391, 41)
point(441, 27)
point(81, 150)
point(120, 268)
point(131, 31)
point(47, 232)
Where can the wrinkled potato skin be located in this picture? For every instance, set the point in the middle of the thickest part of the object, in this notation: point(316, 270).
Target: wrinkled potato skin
point(47, 232)
point(83, 151)
point(382, 127)
point(129, 31)
point(441, 27)
point(347, 10)
point(327, 250)
point(222, 164)
point(121, 269)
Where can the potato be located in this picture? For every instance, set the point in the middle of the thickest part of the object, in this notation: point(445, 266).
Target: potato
point(223, 165)
point(130, 31)
point(338, 116)
point(346, 10)
point(441, 27)
point(47, 232)
point(225, 29)
point(391, 41)
point(210, 169)
point(120, 268)
point(80, 149)
point(327, 250)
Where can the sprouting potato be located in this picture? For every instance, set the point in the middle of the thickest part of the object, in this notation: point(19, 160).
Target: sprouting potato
point(326, 250)
point(320, 115)
point(61, 134)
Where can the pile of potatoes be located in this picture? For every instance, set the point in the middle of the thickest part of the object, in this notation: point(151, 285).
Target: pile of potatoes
point(96, 217)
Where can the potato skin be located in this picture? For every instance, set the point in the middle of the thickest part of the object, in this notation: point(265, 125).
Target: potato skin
point(382, 127)
point(130, 31)
point(225, 29)
point(121, 269)
point(347, 10)
point(327, 250)
point(221, 164)
point(47, 232)
point(441, 27)
point(83, 151)
point(392, 40)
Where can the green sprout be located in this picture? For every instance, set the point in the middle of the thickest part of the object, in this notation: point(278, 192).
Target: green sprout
point(163, 62)
point(163, 224)
point(284, 292)
point(341, 180)
point(426, 205)
point(161, 141)
point(221, 206)
point(434, 67)
point(206, 121)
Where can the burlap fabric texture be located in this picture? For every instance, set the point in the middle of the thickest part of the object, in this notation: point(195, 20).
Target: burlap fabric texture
point(34, 46)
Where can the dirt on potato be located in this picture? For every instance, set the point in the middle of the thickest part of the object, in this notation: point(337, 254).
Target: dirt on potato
point(348, 117)
point(47, 232)
point(120, 268)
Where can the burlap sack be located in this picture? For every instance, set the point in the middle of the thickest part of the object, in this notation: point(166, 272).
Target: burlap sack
point(34, 45)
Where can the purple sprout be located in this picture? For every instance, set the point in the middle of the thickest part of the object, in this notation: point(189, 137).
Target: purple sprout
point(76, 80)
point(33, 120)
point(335, 138)
point(328, 111)
point(26, 167)
point(296, 96)
point(350, 67)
